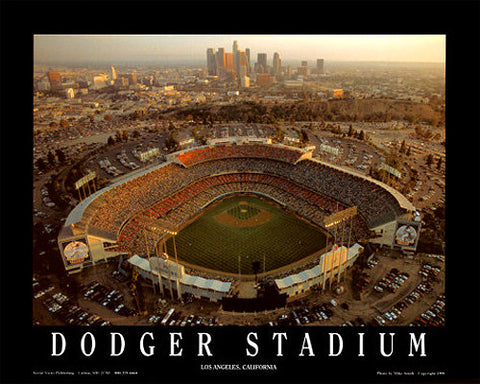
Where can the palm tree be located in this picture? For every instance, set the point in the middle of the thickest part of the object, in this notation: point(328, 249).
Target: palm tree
point(429, 160)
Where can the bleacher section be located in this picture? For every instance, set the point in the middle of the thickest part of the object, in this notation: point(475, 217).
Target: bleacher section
point(201, 155)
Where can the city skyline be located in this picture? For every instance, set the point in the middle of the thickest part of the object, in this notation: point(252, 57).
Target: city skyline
point(191, 48)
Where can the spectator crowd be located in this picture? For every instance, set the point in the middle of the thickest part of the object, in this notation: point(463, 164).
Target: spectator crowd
point(176, 193)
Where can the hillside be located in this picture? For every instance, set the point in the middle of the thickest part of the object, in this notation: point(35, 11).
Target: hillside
point(380, 110)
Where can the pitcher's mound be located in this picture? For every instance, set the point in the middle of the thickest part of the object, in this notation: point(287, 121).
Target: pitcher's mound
point(244, 215)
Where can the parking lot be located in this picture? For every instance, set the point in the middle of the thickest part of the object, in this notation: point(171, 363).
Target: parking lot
point(60, 309)
point(412, 294)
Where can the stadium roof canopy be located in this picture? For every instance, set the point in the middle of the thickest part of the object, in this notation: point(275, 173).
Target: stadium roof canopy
point(195, 281)
point(211, 284)
point(140, 262)
point(314, 272)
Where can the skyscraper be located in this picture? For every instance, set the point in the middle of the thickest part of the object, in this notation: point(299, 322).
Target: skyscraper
point(243, 71)
point(228, 62)
point(220, 61)
point(303, 71)
point(320, 66)
point(276, 64)
point(211, 67)
point(247, 52)
point(262, 60)
point(236, 63)
point(242, 59)
point(304, 63)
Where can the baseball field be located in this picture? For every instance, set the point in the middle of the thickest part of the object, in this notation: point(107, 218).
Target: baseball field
point(242, 231)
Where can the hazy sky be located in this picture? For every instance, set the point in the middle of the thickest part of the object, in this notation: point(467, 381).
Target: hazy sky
point(113, 48)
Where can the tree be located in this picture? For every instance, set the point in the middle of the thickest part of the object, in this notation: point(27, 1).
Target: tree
point(350, 131)
point(429, 160)
point(110, 140)
point(138, 113)
point(278, 135)
point(171, 142)
point(60, 156)
point(63, 123)
point(118, 136)
point(125, 135)
point(361, 135)
point(303, 136)
point(107, 117)
point(41, 165)
point(51, 158)
point(136, 133)
point(439, 163)
point(408, 151)
point(402, 147)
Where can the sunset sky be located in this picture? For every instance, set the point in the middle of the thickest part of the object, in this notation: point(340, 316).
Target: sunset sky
point(112, 48)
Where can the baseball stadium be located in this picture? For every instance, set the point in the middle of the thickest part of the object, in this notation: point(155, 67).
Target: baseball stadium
point(213, 220)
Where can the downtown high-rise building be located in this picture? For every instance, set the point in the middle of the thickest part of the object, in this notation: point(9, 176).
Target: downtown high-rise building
point(276, 64)
point(321, 66)
point(262, 62)
point(229, 62)
point(247, 52)
point(303, 70)
point(238, 65)
point(211, 66)
point(236, 57)
point(242, 60)
point(220, 61)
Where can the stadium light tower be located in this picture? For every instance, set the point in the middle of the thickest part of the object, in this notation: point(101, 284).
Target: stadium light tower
point(159, 275)
point(160, 228)
point(239, 269)
point(148, 254)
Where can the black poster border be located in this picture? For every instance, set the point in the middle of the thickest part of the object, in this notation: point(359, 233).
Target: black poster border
point(453, 349)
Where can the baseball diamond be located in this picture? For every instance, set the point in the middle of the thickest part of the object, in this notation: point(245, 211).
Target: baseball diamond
point(245, 229)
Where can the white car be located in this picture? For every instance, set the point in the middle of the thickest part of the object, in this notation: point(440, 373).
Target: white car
point(119, 308)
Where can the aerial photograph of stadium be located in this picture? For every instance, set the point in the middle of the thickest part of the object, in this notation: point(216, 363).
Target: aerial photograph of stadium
point(209, 180)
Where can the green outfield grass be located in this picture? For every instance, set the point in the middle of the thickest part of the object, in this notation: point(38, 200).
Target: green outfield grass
point(283, 239)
